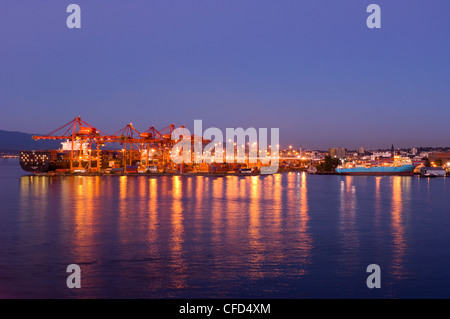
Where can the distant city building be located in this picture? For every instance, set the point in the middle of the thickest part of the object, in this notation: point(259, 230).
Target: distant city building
point(361, 150)
point(414, 151)
point(444, 157)
point(338, 152)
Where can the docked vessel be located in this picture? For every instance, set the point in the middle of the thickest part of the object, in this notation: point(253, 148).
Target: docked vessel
point(433, 172)
point(312, 170)
point(402, 166)
point(45, 161)
point(37, 161)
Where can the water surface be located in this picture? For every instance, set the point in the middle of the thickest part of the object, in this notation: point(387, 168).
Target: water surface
point(286, 235)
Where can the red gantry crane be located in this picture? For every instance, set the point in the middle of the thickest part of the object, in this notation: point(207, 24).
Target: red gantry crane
point(138, 147)
point(80, 134)
point(127, 136)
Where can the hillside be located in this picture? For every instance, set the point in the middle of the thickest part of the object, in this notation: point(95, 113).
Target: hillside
point(15, 141)
point(12, 142)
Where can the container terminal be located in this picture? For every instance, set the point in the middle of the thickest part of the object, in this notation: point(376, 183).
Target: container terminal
point(86, 150)
point(131, 152)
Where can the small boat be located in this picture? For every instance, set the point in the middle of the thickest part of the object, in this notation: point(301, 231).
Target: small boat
point(432, 172)
point(249, 171)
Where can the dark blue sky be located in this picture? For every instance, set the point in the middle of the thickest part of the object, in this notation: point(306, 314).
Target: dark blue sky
point(311, 68)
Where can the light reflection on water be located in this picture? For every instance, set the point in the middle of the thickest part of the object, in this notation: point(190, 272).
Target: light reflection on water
point(286, 235)
point(349, 234)
point(398, 232)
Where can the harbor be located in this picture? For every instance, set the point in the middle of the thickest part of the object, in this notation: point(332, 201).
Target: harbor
point(87, 151)
point(224, 158)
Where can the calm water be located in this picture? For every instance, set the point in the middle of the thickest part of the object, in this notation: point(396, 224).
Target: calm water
point(283, 236)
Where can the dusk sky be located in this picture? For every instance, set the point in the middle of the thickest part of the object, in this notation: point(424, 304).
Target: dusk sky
point(311, 68)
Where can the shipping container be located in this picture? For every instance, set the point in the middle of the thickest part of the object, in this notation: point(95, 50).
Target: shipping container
point(132, 169)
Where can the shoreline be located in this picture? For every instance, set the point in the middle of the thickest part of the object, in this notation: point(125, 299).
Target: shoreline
point(206, 174)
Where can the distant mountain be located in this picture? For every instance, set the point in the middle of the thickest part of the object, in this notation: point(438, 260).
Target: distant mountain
point(16, 141)
point(12, 142)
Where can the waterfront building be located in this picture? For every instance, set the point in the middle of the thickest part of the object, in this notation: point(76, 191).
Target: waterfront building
point(338, 152)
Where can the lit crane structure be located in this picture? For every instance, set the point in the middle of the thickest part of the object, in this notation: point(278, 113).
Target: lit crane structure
point(79, 133)
point(127, 136)
point(165, 144)
point(151, 145)
point(143, 147)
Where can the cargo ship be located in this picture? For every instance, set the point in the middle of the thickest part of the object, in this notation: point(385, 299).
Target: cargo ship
point(38, 161)
point(46, 161)
point(402, 166)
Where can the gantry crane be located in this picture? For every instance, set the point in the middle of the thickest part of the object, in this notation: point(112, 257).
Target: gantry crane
point(152, 143)
point(79, 133)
